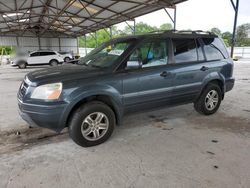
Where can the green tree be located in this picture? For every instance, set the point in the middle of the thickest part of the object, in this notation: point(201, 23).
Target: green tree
point(227, 37)
point(7, 50)
point(140, 28)
point(102, 36)
point(242, 35)
point(166, 26)
point(216, 31)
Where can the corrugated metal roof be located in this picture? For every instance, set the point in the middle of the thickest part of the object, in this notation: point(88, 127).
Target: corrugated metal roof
point(70, 17)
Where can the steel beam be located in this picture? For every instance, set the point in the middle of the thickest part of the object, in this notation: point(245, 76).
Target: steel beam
point(236, 8)
point(59, 42)
point(85, 44)
point(172, 18)
point(110, 31)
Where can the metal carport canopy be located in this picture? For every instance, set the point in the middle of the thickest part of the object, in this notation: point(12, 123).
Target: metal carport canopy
point(72, 18)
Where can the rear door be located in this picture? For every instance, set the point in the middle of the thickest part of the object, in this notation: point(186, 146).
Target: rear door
point(47, 56)
point(190, 69)
point(148, 80)
point(34, 58)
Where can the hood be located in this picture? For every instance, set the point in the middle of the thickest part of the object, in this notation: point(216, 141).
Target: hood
point(64, 72)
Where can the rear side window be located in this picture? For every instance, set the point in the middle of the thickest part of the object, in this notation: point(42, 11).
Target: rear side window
point(47, 53)
point(214, 49)
point(34, 54)
point(184, 50)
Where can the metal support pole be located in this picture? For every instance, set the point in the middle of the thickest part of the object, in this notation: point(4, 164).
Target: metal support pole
point(39, 43)
point(85, 44)
point(17, 42)
point(236, 8)
point(175, 18)
point(77, 40)
point(134, 27)
point(96, 43)
point(59, 42)
point(110, 31)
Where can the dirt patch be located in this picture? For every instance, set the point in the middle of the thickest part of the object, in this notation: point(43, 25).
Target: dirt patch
point(17, 140)
point(13, 79)
point(216, 121)
point(222, 121)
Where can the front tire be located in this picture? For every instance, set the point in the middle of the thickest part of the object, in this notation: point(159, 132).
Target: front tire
point(66, 59)
point(92, 124)
point(53, 63)
point(209, 101)
point(22, 65)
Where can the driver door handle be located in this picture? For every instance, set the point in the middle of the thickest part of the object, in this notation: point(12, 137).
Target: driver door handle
point(204, 68)
point(165, 74)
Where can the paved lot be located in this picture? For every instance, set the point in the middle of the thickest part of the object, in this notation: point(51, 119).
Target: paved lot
point(175, 147)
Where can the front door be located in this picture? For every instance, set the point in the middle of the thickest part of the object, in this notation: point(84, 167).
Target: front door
point(147, 82)
point(34, 58)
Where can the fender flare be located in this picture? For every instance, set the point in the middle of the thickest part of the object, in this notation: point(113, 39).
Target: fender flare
point(74, 99)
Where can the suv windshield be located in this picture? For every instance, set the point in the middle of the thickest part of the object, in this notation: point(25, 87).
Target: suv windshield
point(106, 55)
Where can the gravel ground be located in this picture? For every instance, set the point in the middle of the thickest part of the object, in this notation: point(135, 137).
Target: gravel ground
point(174, 147)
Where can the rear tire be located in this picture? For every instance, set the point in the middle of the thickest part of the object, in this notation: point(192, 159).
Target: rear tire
point(209, 101)
point(92, 124)
point(53, 63)
point(66, 59)
point(22, 65)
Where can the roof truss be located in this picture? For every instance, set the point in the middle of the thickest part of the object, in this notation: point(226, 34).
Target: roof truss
point(70, 17)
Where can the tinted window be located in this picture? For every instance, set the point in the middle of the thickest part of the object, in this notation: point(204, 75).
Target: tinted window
point(184, 50)
point(199, 51)
point(106, 55)
point(47, 53)
point(149, 54)
point(35, 54)
point(214, 49)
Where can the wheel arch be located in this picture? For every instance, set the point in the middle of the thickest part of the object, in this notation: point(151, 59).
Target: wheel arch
point(53, 60)
point(214, 78)
point(106, 99)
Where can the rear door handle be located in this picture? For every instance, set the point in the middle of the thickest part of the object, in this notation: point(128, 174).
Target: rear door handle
point(165, 74)
point(204, 68)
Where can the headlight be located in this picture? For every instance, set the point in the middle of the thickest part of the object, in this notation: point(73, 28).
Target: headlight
point(47, 92)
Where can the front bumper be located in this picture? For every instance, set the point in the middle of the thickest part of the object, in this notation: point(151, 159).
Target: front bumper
point(47, 116)
point(13, 64)
point(229, 84)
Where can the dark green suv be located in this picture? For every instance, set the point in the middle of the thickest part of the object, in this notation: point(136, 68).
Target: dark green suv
point(128, 75)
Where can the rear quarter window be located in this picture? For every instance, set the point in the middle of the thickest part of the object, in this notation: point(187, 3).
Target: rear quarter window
point(214, 49)
point(184, 50)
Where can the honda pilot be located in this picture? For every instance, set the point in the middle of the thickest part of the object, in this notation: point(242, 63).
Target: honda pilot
point(127, 75)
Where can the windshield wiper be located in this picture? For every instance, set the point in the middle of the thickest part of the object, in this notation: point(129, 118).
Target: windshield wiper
point(95, 66)
point(85, 64)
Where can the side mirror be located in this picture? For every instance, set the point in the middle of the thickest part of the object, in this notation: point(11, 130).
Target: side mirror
point(133, 65)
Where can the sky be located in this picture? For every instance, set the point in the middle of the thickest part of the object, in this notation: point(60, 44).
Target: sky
point(200, 15)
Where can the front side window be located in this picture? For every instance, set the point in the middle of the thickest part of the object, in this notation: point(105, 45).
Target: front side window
point(106, 55)
point(184, 50)
point(149, 54)
point(35, 54)
point(214, 49)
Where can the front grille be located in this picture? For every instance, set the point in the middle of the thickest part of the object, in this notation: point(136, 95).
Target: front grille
point(23, 89)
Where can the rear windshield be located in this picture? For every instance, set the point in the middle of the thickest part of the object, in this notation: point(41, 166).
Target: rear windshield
point(215, 49)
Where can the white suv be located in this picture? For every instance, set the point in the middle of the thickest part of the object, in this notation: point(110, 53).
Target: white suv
point(41, 57)
point(67, 56)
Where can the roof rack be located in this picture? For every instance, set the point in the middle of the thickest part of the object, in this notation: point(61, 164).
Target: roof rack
point(195, 32)
point(161, 31)
point(184, 32)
